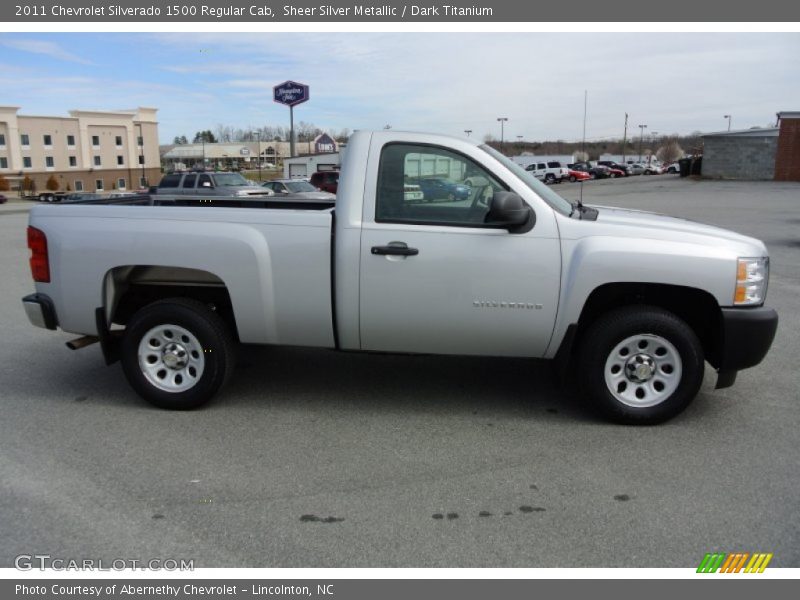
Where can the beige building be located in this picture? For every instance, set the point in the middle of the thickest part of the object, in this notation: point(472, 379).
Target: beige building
point(86, 151)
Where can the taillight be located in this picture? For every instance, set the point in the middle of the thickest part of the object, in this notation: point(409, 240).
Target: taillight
point(40, 265)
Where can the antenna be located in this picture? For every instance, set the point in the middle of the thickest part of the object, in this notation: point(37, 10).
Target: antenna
point(583, 141)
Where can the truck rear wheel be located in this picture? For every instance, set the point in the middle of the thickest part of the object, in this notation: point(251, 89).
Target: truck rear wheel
point(176, 353)
point(641, 365)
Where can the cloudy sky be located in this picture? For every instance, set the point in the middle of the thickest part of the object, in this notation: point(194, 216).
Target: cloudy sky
point(445, 82)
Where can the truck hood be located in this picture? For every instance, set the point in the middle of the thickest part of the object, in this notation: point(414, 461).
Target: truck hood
point(636, 223)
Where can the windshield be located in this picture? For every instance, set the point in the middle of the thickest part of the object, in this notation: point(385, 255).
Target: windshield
point(230, 180)
point(543, 191)
point(300, 186)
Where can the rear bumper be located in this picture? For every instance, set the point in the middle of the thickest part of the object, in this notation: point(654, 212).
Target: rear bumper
point(747, 335)
point(40, 310)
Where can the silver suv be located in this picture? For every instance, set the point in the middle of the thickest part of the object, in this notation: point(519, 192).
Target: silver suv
point(210, 184)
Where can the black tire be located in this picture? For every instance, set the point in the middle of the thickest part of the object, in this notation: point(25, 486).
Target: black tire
point(549, 178)
point(572, 178)
point(610, 331)
point(208, 329)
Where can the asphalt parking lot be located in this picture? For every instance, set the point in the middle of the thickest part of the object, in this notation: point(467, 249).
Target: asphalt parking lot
point(316, 459)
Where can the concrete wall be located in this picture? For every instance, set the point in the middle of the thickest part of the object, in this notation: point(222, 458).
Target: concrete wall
point(739, 157)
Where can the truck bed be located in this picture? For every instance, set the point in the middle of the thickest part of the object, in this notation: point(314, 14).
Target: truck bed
point(275, 264)
point(275, 202)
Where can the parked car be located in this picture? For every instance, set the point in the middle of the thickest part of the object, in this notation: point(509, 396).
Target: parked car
point(327, 181)
point(549, 172)
point(630, 304)
point(594, 171)
point(673, 168)
point(299, 188)
point(615, 166)
point(578, 175)
point(635, 168)
point(413, 192)
point(441, 188)
point(210, 185)
point(614, 173)
point(652, 169)
point(3, 199)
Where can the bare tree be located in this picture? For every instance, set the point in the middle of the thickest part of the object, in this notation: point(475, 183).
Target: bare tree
point(670, 151)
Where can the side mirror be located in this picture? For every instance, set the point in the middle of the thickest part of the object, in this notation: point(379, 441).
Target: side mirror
point(508, 211)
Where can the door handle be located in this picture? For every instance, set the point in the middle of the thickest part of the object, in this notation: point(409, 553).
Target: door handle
point(395, 249)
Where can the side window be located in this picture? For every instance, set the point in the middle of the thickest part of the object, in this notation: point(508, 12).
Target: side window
point(170, 181)
point(404, 195)
point(205, 181)
point(188, 181)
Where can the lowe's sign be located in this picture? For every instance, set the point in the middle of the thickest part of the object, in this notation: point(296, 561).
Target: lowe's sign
point(291, 93)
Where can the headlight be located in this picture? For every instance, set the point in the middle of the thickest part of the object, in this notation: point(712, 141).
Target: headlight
point(752, 275)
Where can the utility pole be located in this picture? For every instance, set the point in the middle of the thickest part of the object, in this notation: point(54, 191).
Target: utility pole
point(141, 156)
point(729, 121)
point(502, 133)
point(624, 139)
point(468, 131)
point(641, 139)
point(585, 105)
point(258, 137)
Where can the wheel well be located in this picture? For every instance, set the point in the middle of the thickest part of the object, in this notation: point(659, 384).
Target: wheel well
point(130, 288)
point(696, 307)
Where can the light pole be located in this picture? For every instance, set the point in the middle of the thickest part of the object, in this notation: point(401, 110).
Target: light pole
point(502, 133)
point(258, 137)
point(141, 154)
point(729, 120)
point(468, 131)
point(203, 139)
point(641, 139)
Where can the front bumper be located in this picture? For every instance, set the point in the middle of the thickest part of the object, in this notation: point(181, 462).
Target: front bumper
point(40, 310)
point(747, 335)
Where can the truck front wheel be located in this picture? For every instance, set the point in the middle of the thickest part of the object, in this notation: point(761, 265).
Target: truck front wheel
point(176, 353)
point(641, 365)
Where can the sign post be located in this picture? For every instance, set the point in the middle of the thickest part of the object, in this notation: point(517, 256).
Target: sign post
point(291, 93)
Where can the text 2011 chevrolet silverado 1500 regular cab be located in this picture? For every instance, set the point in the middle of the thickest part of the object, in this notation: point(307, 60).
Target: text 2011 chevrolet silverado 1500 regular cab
point(629, 303)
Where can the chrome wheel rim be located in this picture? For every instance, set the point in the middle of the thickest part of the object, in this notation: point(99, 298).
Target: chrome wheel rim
point(171, 358)
point(643, 370)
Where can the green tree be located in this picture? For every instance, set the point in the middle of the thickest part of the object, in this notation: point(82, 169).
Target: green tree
point(204, 136)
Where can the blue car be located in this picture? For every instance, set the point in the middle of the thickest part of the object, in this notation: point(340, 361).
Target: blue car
point(439, 188)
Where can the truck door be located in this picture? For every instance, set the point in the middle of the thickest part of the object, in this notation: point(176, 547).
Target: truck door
point(434, 280)
point(187, 187)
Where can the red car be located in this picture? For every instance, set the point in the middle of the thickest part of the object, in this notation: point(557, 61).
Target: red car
point(612, 172)
point(327, 181)
point(578, 175)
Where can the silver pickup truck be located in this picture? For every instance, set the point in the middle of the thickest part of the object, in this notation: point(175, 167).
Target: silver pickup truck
point(627, 303)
